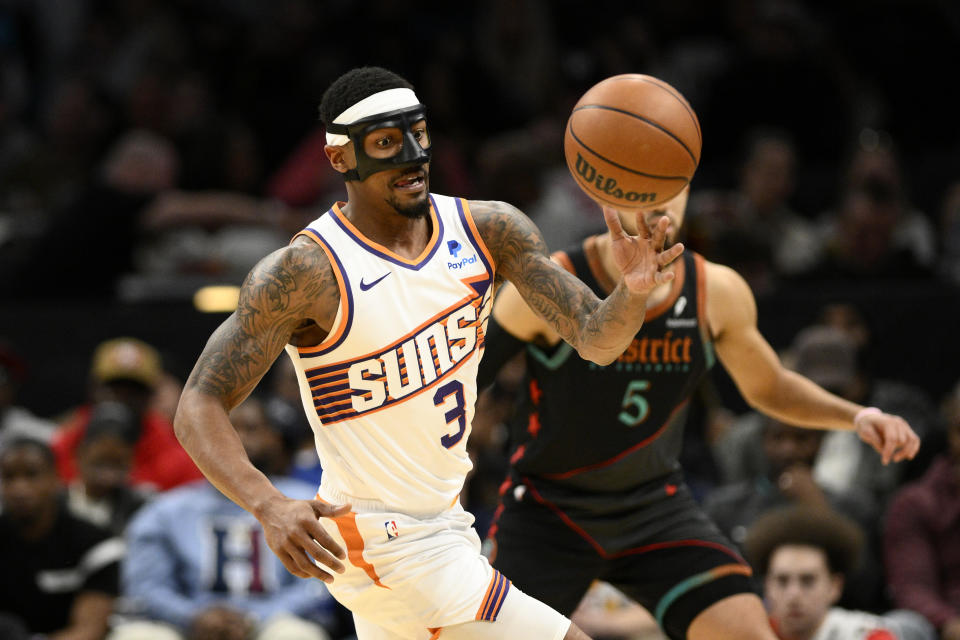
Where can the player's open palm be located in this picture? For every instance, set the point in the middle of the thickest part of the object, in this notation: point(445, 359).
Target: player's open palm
point(890, 435)
point(293, 531)
point(641, 258)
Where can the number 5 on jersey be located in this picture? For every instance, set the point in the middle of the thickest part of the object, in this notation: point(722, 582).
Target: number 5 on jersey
point(635, 407)
point(458, 413)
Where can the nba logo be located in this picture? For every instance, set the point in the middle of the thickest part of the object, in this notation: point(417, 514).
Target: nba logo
point(392, 530)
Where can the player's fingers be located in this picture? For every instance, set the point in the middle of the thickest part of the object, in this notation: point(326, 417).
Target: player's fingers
point(323, 510)
point(671, 254)
point(909, 443)
point(320, 554)
point(663, 276)
point(869, 435)
point(291, 566)
point(307, 565)
point(612, 218)
point(659, 235)
point(316, 531)
point(890, 444)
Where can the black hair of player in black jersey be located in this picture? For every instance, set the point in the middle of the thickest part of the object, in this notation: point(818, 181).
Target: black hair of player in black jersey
point(354, 86)
point(839, 537)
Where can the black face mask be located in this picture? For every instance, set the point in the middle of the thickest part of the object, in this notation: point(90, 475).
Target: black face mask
point(411, 154)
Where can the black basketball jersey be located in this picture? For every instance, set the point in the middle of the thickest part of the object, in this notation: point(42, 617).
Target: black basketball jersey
point(585, 429)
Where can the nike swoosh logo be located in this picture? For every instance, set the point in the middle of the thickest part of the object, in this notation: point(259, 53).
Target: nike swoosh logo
point(365, 286)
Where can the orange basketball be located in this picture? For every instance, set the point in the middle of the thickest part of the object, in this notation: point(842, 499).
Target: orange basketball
point(632, 142)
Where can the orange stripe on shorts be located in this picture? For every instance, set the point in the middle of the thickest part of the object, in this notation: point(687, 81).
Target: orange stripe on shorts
point(347, 525)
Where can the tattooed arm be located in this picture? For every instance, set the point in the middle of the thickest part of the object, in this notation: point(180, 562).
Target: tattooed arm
point(289, 290)
point(599, 330)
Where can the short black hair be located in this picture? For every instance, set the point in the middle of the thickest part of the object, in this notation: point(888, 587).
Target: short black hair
point(839, 537)
point(26, 442)
point(354, 86)
point(112, 419)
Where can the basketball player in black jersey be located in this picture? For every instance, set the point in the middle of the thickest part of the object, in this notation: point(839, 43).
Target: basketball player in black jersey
point(595, 489)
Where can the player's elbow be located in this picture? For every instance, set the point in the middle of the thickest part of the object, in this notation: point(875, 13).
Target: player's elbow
point(602, 357)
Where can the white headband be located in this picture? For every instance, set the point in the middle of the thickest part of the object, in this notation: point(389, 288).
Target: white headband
point(389, 100)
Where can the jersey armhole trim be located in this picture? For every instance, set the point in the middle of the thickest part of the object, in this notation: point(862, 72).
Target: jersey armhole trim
point(463, 208)
point(341, 324)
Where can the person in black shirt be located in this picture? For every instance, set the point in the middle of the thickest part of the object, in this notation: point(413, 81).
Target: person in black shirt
point(596, 490)
point(60, 573)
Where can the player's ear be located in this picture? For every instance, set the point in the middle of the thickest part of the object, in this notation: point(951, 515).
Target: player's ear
point(341, 157)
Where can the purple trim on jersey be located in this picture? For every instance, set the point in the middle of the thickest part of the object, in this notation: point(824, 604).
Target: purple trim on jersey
point(348, 321)
point(414, 267)
point(331, 390)
point(476, 245)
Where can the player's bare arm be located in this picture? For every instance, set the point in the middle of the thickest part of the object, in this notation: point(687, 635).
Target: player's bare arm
point(770, 387)
point(598, 329)
point(290, 293)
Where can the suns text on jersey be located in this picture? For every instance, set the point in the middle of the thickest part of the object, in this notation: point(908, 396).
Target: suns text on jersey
point(416, 362)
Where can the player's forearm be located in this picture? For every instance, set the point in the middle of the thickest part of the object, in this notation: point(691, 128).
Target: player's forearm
point(796, 400)
point(205, 431)
point(605, 333)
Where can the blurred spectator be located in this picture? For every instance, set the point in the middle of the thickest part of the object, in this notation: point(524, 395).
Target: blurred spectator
point(15, 421)
point(875, 165)
point(788, 457)
point(875, 232)
point(783, 476)
point(804, 555)
point(199, 563)
point(216, 234)
point(922, 537)
point(605, 613)
point(758, 212)
point(102, 492)
point(96, 230)
point(862, 243)
point(60, 572)
point(830, 357)
point(125, 370)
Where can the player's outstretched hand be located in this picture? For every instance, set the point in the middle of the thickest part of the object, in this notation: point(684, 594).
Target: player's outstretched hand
point(641, 258)
point(292, 529)
point(890, 435)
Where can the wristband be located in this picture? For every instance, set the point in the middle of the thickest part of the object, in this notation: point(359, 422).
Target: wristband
point(864, 412)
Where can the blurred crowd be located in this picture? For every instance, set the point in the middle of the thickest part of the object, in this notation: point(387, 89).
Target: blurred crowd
point(150, 147)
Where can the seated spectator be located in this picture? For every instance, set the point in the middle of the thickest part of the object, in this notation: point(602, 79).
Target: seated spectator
point(831, 357)
point(758, 212)
point(102, 492)
point(803, 555)
point(125, 370)
point(784, 476)
point(922, 537)
point(789, 453)
point(60, 572)
point(17, 421)
point(199, 564)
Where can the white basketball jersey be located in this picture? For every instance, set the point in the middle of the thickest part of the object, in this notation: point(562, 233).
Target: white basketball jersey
point(390, 392)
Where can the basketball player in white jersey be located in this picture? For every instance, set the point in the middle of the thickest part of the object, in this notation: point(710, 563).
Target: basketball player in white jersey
point(381, 303)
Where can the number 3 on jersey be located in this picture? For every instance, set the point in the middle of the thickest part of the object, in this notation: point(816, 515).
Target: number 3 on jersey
point(458, 413)
point(635, 407)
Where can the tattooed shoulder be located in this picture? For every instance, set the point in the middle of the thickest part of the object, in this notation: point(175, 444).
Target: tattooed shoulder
point(509, 234)
point(290, 287)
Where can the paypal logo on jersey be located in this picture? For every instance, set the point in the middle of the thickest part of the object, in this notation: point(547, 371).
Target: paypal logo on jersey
point(454, 247)
point(463, 262)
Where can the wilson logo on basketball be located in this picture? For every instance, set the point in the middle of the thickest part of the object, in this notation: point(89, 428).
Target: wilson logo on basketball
point(609, 185)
